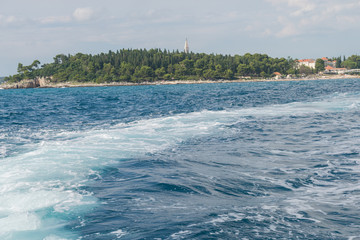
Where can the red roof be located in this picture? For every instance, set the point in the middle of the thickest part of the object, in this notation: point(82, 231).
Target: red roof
point(325, 59)
point(307, 60)
point(336, 69)
point(277, 73)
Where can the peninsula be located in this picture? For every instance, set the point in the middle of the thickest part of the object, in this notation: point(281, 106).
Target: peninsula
point(156, 66)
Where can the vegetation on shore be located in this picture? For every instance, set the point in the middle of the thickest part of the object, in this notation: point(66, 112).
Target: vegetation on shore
point(141, 65)
point(152, 65)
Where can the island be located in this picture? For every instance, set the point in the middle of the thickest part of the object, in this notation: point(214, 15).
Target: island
point(156, 66)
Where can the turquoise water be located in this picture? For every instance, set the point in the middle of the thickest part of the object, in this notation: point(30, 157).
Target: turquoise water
point(209, 161)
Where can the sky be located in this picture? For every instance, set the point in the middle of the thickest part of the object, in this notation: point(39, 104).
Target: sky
point(41, 29)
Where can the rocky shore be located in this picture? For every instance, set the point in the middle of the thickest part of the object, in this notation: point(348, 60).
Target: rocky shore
point(46, 82)
point(28, 83)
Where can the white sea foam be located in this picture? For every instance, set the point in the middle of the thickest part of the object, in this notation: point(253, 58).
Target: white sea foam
point(24, 221)
point(54, 237)
point(3, 151)
point(354, 237)
point(180, 235)
point(119, 233)
point(51, 175)
point(230, 217)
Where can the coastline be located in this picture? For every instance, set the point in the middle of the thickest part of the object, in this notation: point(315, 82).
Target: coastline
point(29, 83)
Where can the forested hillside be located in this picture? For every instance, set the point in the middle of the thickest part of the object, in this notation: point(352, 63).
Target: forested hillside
point(149, 65)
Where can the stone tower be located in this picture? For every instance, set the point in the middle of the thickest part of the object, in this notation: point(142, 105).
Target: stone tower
point(186, 47)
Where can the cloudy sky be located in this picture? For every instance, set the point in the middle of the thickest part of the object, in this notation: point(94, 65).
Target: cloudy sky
point(40, 29)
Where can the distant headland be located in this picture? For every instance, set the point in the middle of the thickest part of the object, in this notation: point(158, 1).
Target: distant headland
point(156, 66)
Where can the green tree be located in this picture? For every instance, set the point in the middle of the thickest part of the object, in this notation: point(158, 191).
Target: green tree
point(305, 70)
point(209, 74)
point(229, 74)
point(338, 62)
point(35, 64)
point(145, 72)
point(20, 68)
point(319, 65)
point(243, 70)
point(200, 63)
point(352, 62)
point(218, 71)
point(141, 64)
point(180, 70)
point(160, 72)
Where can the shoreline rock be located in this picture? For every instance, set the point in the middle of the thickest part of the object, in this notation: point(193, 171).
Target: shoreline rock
point(27, 83)
point(46, 82)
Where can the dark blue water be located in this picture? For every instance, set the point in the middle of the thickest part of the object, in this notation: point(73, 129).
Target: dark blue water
point(273, 160)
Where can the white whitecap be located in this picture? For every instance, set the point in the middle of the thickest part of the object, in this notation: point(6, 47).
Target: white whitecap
point(52, 174)
point(119, 233)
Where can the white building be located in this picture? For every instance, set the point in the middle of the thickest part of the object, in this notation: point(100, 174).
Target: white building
point(329, 70)
point(329, 63)
point(306, 62)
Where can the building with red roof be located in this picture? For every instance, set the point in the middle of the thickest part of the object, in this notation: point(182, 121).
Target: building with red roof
point(330, 69)
point(306, 62)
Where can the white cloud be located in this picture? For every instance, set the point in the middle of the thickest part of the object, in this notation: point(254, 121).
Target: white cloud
point(267, 32)
point(55, 19)
point(348, 20)
point(295, 8)
point(8, 20)
point(83, 14)
point(301, 7)
point(288, 30)
point(11, 19)
point(299, 17)
point(232, 25)
point(79, 14)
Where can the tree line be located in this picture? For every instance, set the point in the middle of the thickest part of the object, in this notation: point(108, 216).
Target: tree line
point(138, 65)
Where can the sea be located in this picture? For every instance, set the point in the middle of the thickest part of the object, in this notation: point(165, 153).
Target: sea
point(256, 160)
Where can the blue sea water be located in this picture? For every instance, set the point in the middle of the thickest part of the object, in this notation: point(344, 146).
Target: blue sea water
point(275, 160)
